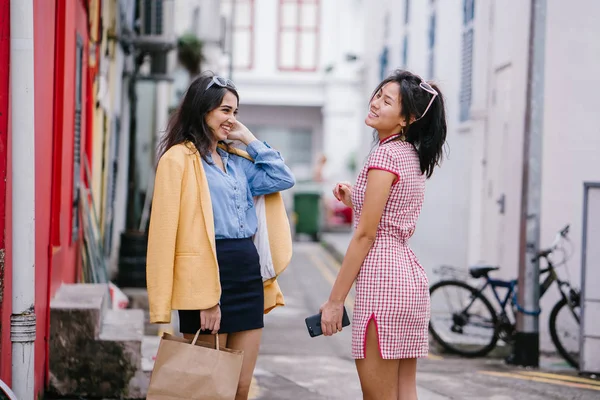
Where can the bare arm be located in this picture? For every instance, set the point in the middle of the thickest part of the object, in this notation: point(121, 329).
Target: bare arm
point(379, 183)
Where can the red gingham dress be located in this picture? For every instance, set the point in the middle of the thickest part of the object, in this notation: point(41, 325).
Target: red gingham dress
point(392, 287)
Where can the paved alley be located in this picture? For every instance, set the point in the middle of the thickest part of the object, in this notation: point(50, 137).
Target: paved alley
point(292, 365)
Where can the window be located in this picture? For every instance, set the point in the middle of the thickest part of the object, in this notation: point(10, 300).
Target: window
point(294, 143)
point(383, 63)
point(466, 90)
point(240, 13)
point(431, 47)
point(406, 29)
point(405, 50)
point(468, 11)
point(384, 56)
point(243, 35)
point(152, 17)
point(77, 139)
point(298, 36)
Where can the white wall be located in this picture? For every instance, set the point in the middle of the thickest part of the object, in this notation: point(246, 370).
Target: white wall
point(282, 116)
point(503, 138)
point(460, 223)
point(274, 118)
point(477, 128)
point(441, 236)
point(570, 134)
point(571, 141)
point(343, 25)
point(374, 40)
point(335, 92)
point(201, 17)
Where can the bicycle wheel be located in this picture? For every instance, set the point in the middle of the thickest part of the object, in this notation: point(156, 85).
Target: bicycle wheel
point(564, 330)
point(469, 328)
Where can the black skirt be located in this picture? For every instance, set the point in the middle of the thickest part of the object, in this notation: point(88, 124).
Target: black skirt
point(242, 295)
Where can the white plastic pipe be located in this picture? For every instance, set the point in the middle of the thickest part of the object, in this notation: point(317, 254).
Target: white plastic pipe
point(22, 321)
point(4, 389)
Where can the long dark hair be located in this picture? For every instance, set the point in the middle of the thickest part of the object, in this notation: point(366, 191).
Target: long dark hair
point(188, 121)
point(426, 134)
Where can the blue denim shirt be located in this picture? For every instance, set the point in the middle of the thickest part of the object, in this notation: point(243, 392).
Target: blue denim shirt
point(231, 193)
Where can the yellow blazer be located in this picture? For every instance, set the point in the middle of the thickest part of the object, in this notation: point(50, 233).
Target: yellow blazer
point(181, 268)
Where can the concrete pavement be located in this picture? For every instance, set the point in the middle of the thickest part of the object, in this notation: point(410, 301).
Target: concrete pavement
point(292, 365)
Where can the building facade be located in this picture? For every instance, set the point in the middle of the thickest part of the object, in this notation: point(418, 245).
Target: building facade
point(497, 120)
point(297, 66)
point(478, 52)
point(424, 37)
point(63, 104)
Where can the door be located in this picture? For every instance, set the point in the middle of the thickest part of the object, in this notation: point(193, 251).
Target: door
point(498, 155)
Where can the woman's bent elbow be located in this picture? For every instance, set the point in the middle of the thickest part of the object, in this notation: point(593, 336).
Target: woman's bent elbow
point(368, 237)
point(289, 182)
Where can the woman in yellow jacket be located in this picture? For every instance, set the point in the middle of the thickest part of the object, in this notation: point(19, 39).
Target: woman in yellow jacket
point(202, 260)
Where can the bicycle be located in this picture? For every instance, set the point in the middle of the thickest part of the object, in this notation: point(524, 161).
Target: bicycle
point(486, 330)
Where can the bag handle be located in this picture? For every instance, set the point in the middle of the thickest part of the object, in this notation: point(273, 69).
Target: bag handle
point(198, 335)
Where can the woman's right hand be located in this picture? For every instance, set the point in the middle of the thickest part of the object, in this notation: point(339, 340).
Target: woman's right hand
point(211, 319)
point(343, 192)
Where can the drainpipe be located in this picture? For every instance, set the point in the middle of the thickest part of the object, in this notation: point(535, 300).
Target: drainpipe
point(22, 320)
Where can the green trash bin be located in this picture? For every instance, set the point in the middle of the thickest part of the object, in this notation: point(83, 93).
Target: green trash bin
point(307, 212)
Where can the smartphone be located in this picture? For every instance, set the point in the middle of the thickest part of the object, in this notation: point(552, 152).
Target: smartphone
point(313, 323)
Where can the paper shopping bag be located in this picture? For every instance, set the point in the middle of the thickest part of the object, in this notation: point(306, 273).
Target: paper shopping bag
point(187, 369)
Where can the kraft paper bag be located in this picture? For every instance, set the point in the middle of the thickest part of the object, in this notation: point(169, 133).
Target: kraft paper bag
point(187, 369)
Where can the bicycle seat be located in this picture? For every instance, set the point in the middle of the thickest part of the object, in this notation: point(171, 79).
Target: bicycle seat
point(478, 271)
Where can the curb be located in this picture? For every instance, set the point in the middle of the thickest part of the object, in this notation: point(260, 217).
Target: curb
point(330, 248)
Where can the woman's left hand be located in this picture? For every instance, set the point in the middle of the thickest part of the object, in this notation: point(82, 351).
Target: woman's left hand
point(241, 133)
point(331, 317)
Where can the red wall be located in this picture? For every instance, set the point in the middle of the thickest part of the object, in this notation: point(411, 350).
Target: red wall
point(72, 21)
point(44, 30)
point(6, 293)
point(55, 28)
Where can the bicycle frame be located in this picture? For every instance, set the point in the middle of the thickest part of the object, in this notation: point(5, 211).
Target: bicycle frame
point(498, 283)
point(543, 288)
point(571, 297)
point(511, 285)
point(493, 284)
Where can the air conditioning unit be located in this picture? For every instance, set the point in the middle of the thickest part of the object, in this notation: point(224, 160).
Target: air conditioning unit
point(156, 36)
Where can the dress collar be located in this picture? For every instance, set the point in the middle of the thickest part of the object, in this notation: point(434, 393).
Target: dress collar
point(389, 138)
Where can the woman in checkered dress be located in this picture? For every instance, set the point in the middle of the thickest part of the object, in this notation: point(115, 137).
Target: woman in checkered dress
point(391, 314)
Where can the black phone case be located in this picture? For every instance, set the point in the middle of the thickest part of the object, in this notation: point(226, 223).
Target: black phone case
point(313, 323)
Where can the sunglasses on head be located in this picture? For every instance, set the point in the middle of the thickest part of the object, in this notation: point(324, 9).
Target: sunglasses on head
point(427, 87)
point(222, 82)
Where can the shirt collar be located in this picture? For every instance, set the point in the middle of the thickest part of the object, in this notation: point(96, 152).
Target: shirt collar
point(221, 152)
